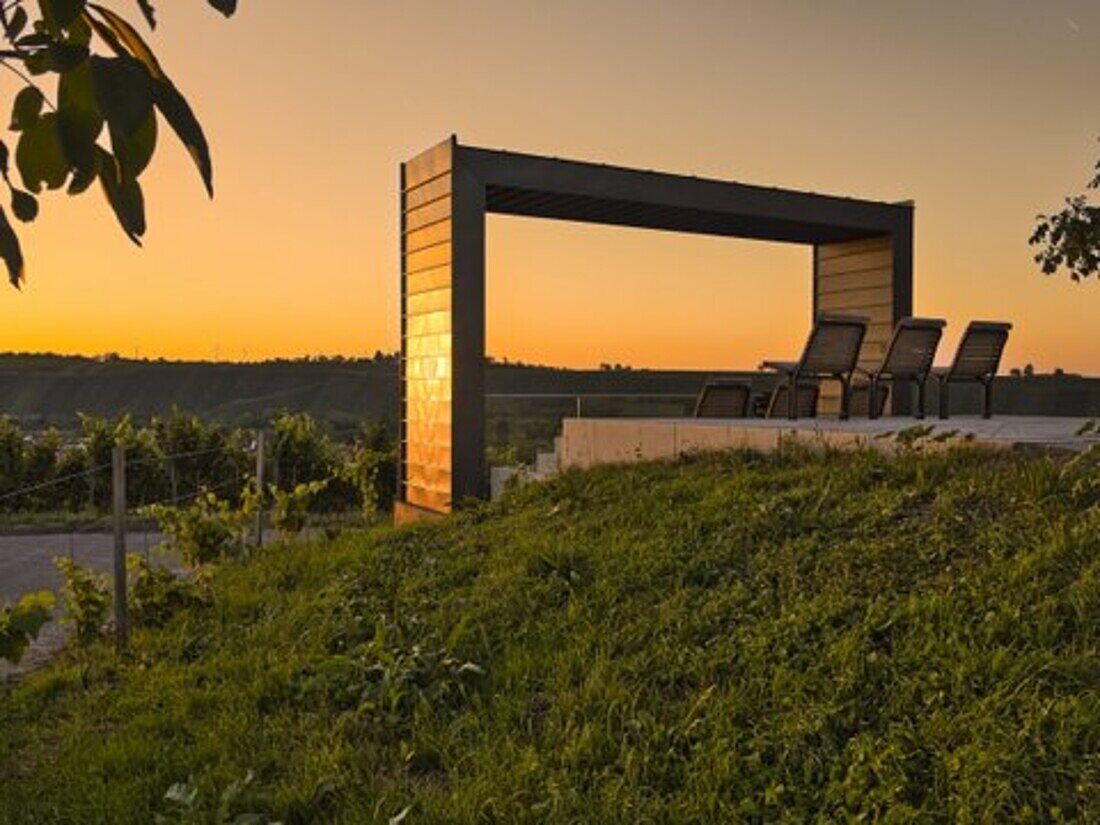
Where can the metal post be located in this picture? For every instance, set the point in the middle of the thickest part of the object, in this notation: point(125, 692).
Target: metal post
point(118, 483)
point(578, 406)
point(260, 488)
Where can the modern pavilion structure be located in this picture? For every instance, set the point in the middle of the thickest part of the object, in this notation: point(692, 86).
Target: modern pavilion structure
point(862, 264)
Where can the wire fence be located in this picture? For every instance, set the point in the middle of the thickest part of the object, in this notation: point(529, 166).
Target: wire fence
point(128, 518)
point(168, 470)
point(223, 478)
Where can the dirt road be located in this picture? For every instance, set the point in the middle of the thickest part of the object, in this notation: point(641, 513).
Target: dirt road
point(26, 566)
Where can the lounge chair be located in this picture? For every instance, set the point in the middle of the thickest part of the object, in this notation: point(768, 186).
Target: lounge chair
point(861, 403)
point(977, 359)
point(805, 404)
point(908, 357)
point(831, 352)
point(722, 398)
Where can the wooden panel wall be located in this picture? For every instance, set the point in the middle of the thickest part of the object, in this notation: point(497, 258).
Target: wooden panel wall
point(427, 370)
point(856, 278)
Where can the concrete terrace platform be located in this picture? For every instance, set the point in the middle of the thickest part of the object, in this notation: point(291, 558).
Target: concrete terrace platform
point(587, 442)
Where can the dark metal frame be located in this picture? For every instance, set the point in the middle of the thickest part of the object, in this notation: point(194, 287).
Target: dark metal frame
point(488, 181)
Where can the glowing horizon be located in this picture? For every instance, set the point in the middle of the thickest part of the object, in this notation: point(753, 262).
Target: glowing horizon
point(974, 112)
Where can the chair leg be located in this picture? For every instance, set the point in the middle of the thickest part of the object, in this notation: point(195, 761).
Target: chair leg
point(792, 399)
point(845, 397)
point(943, 397)
point(872, 398)
point(987, 403)
point(922, 392)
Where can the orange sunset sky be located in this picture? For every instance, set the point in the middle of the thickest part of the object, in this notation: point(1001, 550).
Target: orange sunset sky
point(984, 112)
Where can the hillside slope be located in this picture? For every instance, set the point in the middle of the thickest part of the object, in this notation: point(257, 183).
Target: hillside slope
point(726, 638)
point(46, 390)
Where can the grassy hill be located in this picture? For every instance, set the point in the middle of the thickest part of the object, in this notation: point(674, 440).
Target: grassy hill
point(726, 638)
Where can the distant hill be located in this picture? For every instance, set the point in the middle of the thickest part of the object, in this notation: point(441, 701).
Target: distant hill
point(44, 390)
point(50, 390)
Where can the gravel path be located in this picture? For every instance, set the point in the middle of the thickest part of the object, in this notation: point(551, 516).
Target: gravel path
point(26, 566)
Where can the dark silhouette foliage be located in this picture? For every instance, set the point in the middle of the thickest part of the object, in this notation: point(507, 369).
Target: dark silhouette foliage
point(101, 121)
point(1070, 239)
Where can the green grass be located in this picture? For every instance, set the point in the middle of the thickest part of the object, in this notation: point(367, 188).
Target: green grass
point(720, 639)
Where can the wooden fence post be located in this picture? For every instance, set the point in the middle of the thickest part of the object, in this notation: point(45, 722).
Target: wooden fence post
point(118, 484)
point(260, 488)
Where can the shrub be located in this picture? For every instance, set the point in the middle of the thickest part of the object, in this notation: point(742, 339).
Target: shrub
point(291, 510)
point(303, 451)
point(87, 599)
point(156, 593)
point(19, 625)
point(206, 531)
point(372, 471)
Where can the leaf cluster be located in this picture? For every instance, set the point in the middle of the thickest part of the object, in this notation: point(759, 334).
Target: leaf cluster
point(291, 507)
point(1070, 239)
point(99, 122)
point(206, 531)
point(19, 625)
point(87, 598)
point(156, 594)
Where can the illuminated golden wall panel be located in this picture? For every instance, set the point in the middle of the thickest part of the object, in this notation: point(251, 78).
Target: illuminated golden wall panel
point(426, 329)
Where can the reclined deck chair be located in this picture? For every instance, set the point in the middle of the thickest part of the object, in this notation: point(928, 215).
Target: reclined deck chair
point(723, 398)
point(908, 357)
point(805, 401)
point(831, 352)
point(977, 359)
point(862, 404)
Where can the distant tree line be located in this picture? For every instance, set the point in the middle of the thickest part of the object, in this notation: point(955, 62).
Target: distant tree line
point(379, 357)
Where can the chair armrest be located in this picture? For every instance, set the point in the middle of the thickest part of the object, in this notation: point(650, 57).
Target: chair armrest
point(779, 366)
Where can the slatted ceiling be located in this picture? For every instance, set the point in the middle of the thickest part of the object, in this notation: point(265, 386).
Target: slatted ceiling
point(425, 193)
point(591, 209)
point(520, 199)
point(429, 164)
